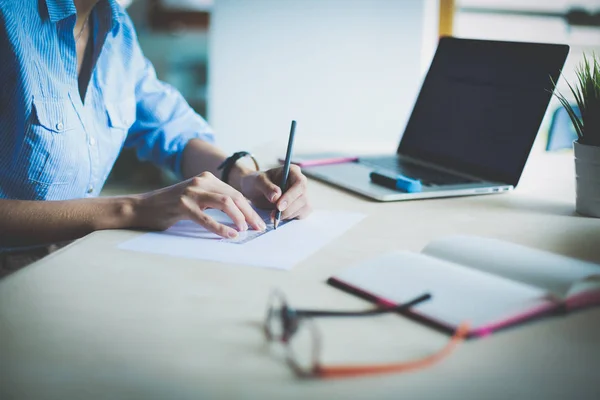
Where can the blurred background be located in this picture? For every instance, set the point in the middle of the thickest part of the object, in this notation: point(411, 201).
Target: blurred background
point(347, 70)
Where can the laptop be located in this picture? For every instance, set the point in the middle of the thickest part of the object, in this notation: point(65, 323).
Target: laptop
point(472, 126)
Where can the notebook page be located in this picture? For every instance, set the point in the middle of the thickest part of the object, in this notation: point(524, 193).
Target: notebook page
point(557, 274)
point(458, 293)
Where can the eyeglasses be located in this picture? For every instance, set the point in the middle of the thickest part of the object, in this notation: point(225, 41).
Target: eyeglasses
point(297, 331)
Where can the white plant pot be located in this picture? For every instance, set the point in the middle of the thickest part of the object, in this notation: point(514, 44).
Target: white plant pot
point(587, 174)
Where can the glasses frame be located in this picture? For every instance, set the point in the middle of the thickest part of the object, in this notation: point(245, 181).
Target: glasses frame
point(291, 318)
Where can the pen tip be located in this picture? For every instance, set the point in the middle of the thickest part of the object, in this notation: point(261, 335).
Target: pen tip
point(275, 224)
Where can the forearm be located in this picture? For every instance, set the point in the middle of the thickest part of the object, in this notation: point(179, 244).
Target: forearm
point(26, 223)
point(200, 156)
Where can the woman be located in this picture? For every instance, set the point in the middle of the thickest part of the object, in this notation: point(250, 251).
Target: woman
point(75, 90)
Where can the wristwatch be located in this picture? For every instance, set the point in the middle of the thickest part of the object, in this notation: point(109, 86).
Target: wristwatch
point(230, 161)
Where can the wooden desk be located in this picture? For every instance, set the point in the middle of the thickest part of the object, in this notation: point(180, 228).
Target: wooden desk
point(93, 321)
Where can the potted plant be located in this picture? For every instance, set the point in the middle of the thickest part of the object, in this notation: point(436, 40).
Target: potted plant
point(586, 93)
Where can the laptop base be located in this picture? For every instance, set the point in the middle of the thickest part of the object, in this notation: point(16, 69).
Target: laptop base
point(354, 177)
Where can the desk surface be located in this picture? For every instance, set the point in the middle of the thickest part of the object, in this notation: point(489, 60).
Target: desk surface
point(92, 321)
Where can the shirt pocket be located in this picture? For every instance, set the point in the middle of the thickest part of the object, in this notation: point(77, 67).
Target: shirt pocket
point(121, 116)
point(48, 152)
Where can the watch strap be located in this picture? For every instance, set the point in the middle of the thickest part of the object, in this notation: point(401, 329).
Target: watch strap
point(227, 165)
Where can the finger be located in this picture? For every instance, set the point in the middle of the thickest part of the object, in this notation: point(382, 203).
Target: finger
point(255, 221)
point(241, 203)
point(271, 191)
point(293, 208)
point(297, 189)
point(302, 213)
point(201, 218)
point(228, 206)
point(207, 199)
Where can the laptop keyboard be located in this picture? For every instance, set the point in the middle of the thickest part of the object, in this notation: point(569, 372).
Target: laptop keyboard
point(427, 176)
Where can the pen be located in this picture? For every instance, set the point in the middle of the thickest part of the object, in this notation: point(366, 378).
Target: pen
point(286, 169)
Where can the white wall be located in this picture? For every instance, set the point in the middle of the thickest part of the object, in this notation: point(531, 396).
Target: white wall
point(347, 70)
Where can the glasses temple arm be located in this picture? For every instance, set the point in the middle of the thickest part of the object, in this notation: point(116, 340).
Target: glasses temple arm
point(357, 370)
point(377, 311)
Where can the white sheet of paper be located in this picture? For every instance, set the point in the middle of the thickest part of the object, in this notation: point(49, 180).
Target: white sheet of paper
point(283, 248)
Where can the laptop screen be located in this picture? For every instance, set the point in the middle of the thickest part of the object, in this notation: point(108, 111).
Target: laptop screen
point(481, 106)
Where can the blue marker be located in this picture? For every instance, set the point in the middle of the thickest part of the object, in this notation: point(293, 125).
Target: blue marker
point(397, 182)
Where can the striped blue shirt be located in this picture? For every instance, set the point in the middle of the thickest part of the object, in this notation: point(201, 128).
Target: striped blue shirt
point(55, 146)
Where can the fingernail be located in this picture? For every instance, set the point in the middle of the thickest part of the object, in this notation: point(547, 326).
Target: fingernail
point(244, 226)
point(273, 196)
point(283, 205)
point(262, 225)
point(232, 234)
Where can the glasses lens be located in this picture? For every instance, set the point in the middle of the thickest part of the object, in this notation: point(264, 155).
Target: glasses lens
point(304, 347)
point(274, 324)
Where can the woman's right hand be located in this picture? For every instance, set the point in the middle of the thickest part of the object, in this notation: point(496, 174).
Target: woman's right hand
point(159, 209)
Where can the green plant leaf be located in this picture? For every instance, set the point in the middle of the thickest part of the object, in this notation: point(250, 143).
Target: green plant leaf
point(586, 93)
point(574, 118)
point(577, 124)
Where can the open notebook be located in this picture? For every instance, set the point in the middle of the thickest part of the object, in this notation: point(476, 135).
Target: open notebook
point(487, 282)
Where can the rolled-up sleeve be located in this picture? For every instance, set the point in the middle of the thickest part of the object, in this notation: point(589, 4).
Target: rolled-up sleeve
point(164, 120)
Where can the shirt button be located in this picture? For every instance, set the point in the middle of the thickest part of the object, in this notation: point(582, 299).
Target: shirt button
point(59, 126)
point(90, 189)
point(92, 141)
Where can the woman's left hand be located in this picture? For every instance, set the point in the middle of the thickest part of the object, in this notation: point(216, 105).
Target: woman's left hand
point(262, 189)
